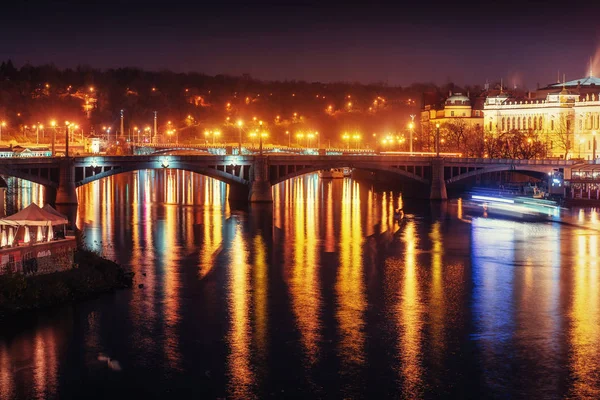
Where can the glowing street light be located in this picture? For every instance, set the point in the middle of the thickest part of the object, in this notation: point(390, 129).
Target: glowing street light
point(53, 125)
point(260, 137)
point(299, 137)
point(240, 123)
point(356, 138)
point(411, 128)
point(346, 138)
point(437, 139)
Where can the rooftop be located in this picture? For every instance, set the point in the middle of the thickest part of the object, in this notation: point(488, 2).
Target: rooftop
point(587, 81)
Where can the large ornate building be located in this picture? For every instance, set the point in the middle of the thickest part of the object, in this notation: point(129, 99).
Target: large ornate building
point(565, 116)
point(456, 109)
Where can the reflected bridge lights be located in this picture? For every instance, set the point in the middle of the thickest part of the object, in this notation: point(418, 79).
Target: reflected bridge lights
point(164, 162)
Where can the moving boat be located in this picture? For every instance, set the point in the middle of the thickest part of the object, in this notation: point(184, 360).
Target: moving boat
point(512, 207)
point(333, 173)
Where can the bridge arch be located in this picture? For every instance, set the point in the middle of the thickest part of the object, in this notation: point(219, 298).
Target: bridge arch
point(499, 168)
point(20, 174)
point(276, 177)
point(220, 175)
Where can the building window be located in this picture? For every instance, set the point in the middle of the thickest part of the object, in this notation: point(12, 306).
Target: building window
point(452, 113)
point(490, 126)
point(552, 125)
point(514, 123)
point(503, 124)
point(540, 126)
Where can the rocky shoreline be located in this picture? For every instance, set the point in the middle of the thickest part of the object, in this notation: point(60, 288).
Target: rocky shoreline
point(90, 276)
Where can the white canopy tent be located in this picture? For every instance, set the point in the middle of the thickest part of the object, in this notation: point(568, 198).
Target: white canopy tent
point(32, 215)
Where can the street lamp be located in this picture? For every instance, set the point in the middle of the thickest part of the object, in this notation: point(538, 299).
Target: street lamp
point(309, 138)
point(356, 138)
point(437, 139)
point(289, 138)
point(67, 124)
point(240, 123)
point(299, 137)
point(260, 137)
point(411, 128)
point(53, 125)
point(346, 138)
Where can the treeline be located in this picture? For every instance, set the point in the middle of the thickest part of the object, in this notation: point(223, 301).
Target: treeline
point(194, 102)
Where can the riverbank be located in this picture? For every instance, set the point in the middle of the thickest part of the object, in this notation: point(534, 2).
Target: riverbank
point(91, 276)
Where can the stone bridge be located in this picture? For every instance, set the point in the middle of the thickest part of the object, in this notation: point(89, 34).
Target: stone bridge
point(251, 177)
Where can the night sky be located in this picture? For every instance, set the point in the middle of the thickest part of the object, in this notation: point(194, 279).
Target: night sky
point(420, 41)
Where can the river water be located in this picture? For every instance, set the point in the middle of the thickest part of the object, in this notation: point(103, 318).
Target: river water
point(319, 295)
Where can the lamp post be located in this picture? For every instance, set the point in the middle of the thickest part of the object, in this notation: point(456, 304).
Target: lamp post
point(356, 139)
point(411, 128)
point(2, 125)
point(240, 123)
point(261, 135)
point(53, 125)
point(289, 138)
point(67, 138)
point(437, 139)
point(346, 137)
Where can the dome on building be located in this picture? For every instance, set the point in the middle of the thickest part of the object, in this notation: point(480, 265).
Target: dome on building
point(458, 99)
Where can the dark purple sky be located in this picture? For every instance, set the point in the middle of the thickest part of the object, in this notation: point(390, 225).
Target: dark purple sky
point(419, 41)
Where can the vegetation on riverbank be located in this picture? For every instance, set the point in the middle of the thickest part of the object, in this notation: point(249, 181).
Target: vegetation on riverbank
point(90, 276)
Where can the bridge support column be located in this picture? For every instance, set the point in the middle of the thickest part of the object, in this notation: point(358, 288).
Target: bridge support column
point(260, 186)
point(438, 184)
point(66, 195)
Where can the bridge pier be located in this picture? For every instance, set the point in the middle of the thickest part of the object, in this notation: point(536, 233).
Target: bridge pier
point(438, 183)
point(260, 186)
point(66, 194)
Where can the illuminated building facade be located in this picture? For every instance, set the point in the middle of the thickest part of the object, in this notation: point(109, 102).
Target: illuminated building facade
point(565, 116)
point(456, 109)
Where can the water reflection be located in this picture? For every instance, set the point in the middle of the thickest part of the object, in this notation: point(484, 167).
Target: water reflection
point(585, 317)
point(350, 285)
point(410, 319)
point(239, 334)
point(232, 307)
point(304, 279)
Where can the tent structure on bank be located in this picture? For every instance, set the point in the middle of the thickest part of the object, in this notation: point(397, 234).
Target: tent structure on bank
point(32, 215)
point(48, 208)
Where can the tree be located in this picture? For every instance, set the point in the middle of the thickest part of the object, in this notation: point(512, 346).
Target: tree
point(561, 135)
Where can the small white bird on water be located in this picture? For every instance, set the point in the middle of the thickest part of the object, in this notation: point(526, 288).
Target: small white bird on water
point(112, 364)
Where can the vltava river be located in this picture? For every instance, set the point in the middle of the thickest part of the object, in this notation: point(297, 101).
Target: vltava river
point(320, 295)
